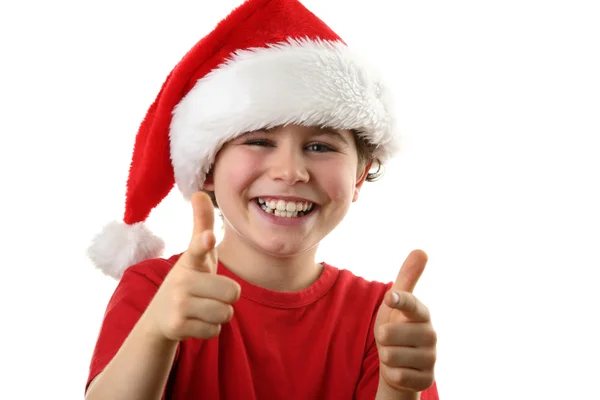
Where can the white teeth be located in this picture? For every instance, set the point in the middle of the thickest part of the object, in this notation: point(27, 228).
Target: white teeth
point(281, 208)
point(281, 205)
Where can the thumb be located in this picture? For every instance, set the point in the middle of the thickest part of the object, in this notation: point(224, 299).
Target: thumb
point(200, 253)
point(204, 213)
point(407, 279)
point(411, 271)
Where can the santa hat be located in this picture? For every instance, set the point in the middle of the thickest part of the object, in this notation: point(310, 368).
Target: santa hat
point(269, 63)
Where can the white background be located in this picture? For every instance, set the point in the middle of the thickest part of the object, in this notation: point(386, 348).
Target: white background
point(498, 181)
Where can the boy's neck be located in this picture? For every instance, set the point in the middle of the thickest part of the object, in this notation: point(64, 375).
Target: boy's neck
point(290, 274)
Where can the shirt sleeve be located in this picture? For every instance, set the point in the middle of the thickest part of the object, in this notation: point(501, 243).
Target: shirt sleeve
point(369, 379)
point(132, 295)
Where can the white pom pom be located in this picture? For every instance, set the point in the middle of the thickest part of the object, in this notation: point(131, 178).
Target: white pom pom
point(119, 246)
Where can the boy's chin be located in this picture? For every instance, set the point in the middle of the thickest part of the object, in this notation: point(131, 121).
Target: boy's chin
point(284, 249)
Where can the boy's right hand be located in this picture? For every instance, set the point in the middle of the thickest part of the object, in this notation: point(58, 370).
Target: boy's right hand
point(193, 301)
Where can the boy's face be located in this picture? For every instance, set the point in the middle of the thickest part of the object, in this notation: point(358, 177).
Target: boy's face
point(310, 173)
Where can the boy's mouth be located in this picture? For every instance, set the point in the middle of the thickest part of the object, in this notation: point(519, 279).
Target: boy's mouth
point(283, 208)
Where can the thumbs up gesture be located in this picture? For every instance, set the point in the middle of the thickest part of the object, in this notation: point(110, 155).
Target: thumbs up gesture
point(193, 301)
point(405, 338)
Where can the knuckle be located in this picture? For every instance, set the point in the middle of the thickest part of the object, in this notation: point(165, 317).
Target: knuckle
point(195, 248)
point(219, 313)
point(416, 382)
point(228, 313)
point(409, 379)
point(232, 292)
point(180, 302)
point(432, 337)
point(404, 379)
point(385, 355)
point(412, 304)
point(195, 255)
point(430, 360)
point(428, 337)
point(398, 376)
point(425, 309)
point(212, 330)
point(177, 277)
point(427, 381)
point(381, 334)
point(175, 325)
point(426, 312)
point(181, 280)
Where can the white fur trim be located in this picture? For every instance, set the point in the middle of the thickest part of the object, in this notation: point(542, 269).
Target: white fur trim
point(306, 82)
point(119, 246)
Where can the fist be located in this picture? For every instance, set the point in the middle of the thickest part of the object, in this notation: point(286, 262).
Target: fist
point(405, 337)
point(193, 301)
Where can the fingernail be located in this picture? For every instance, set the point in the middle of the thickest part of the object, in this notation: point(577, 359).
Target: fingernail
point(395, 297)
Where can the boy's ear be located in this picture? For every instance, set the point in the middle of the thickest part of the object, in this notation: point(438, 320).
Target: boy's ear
point(209, 183)
point(361, 179)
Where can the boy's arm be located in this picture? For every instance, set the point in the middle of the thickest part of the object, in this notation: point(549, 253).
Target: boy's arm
point(156, 306)
point(129, 362)
point(139, 370)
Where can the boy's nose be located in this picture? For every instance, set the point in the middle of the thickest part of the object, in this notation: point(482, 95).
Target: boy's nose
point(289, 167)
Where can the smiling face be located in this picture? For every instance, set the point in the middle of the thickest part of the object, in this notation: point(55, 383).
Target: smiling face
point(283, 190)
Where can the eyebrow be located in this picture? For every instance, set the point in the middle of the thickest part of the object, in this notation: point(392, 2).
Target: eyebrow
point(326, 130)
point(315, 131)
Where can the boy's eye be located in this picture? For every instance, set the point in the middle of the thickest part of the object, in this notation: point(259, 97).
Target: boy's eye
point(319, 147)
point(258, 142)
point(316, 147)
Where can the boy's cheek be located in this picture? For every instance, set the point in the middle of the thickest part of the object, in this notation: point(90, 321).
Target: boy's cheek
point(339, 187)
point(342, 194)
point(237, 168)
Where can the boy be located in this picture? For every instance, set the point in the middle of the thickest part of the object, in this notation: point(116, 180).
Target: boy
point(271, 119)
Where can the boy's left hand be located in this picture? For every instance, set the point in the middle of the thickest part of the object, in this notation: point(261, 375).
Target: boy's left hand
point(405, 338)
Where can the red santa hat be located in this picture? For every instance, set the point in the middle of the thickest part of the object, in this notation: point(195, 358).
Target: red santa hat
point(269, 63)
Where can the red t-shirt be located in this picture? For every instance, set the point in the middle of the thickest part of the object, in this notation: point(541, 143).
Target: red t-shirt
point(313, 344)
